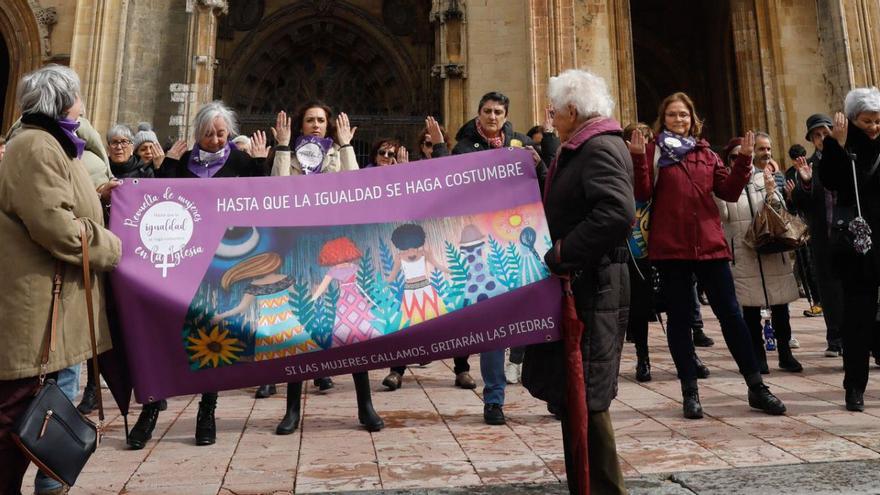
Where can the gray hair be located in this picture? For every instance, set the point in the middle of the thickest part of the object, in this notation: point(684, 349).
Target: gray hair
point(861, 100)
point(50, 91)
point(587, 92)
point(762, 134)
point(242, 140)
point(206, 115)
point(119, 130)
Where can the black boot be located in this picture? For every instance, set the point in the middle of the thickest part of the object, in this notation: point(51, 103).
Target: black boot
point(761, 398)
point(366, 414)
point(690, 400)
point(787, 361)
point(163, 405)
point(89, 399)
point(324, 383)
point(855, 400)
point(290, 422)
point(142, 431)
point(702, 369)
point(701, 339)
point(643, 369)
point(206, 427)
point(264, 391)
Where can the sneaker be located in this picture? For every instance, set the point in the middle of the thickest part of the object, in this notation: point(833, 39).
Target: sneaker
point(814, 311)
point(493, 414)
point(511, 372)
point(833, 350)
point(794, 344)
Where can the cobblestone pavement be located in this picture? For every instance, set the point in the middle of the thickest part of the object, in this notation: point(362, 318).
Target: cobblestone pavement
point(435, 437)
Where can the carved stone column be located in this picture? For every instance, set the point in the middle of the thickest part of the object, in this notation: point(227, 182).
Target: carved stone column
point(97, 51)
point(862, 31)
point(450, 31)
point(748, 64)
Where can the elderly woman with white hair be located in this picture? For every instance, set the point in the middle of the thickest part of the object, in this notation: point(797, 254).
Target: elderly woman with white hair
point(213, 154)
point(588, 199)
point(46, 195)
point(850, 166)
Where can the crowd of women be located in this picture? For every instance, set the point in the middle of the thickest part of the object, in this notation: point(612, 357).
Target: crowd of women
point(57, 174)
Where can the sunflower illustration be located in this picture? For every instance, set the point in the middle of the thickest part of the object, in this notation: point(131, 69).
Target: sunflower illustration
point(214, 347)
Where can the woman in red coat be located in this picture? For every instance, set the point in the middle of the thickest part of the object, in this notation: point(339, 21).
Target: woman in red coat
point(687, 240)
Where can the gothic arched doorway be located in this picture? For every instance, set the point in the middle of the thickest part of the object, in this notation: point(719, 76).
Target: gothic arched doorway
point(374, 68)
point(19, 53)
point(692, 53)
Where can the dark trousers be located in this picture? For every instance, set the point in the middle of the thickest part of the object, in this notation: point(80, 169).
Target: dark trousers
point(858, 332)
point(15, 397)
point(676, 276)
point(605, 474)
point(830, 289)
point(780, 319)
point(461, 364)
point(641, 304)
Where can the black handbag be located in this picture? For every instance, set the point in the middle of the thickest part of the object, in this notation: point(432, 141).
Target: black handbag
point(51, 432)
point(850, 232)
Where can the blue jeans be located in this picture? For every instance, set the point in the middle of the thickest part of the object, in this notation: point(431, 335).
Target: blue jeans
point(492, 369)
point(68, 382)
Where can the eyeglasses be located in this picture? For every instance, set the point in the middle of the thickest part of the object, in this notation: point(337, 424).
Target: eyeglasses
point(386, 153)
point(120, 144)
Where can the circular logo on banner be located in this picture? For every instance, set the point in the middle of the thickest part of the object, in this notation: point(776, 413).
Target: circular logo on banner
point(310, 157)
point(166, 228)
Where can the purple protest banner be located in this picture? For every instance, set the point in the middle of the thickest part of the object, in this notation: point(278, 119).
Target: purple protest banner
point(229, 283)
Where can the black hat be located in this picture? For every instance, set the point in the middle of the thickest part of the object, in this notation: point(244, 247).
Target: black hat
point(817, 120)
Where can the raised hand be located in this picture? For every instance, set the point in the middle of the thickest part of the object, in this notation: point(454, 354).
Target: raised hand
point(177, 150)
point(258, 145)
point(434, 130)
point(548, 118)
point(789, 187)
point(805, 171)
point(748, 145)
point(281, 131)
point(402, 155)
point(636, 143)
point(769, 181)
point(840, 128)
point(344, 130)
point(105, 188)
point(158, 155)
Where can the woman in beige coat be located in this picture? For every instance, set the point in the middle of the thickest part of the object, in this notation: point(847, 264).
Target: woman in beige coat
point(778, 269)
point(320, 143)
point(45, 195)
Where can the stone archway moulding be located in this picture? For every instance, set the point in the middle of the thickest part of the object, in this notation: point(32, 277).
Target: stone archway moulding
point(28, 43)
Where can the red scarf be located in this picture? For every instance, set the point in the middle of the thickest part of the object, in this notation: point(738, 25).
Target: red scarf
point(495, 142)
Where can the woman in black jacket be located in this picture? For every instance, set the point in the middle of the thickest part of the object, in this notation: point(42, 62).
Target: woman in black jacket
point(855, 144)
point(588, 199)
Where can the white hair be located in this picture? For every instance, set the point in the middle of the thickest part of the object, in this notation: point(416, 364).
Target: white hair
point(587, 92)
point(242, 140)
point(50, 91)
point(206, 115)
point(119, 130)
point(861, 100)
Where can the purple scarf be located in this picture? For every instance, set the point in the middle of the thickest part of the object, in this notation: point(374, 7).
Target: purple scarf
point(206, 164)
point(69, 128)
point(673, 148)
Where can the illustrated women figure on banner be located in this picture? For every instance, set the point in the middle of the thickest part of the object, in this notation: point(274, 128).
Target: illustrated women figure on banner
point(533, 268)
point(279, 333)
point(420, 300)
point(354, 316)
point(481, 284)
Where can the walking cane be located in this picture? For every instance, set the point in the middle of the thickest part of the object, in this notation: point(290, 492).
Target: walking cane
point(769, 334)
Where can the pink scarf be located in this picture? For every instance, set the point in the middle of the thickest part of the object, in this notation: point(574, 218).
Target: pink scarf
point(495, 142)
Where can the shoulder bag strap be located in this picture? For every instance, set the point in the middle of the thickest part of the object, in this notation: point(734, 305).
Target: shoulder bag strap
point(856, 185)
point(87, 284)
point(51, 333)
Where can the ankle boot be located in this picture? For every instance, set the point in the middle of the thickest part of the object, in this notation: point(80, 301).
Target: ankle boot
point(855, 400)
point(760, 397)
point(142, 431)
point(89, 399)
point(290, 422)
point(690, 400)
point(163, 405)
point(786, 359)
point(366, 414)
point(643, 369)
point(702, 369)
point(701, 339)
point(324, 383)
point(264, 391)
point(206, 427)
